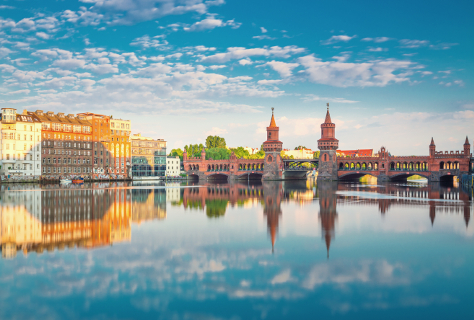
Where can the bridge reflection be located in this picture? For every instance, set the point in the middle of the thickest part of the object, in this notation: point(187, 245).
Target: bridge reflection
point(50, 218)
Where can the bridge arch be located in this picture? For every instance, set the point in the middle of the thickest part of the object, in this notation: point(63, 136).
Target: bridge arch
point(355, 175)
point(218, 176)
point(250, 176)
point(403, 176)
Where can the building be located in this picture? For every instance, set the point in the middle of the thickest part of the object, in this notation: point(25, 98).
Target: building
point(65, 144)
point(173, 167)
point(299, 154)
point(148, 157)
point(252, 150)
point(120, 147)
point(356, 153)
point(101, 139)
point(21, 143)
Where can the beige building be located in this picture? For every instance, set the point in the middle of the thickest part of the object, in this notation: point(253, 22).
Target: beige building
point(299, 154)
point(20, 143)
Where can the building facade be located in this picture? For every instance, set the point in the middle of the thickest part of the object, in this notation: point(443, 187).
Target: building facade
point(328, 145)
point(173, 166)
point(299, 154)
point(20, 143)
point(101, 139)
point(273, 164)
point(120, 147)
point(66, 144)
point(148, 157)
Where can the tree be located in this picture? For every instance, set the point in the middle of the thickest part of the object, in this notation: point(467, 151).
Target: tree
point(215, 142)
point(177, 153)
point(194, 150)
point(218, 154)
point(316, 155)
point(300, 147)
point(240, 152)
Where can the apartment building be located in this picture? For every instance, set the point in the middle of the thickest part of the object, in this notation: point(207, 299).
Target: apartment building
point(66, 144)
point(20, 144)
point(101, 139)
point(120, 146)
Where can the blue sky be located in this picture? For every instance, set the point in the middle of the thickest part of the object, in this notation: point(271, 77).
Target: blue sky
point(395, 74)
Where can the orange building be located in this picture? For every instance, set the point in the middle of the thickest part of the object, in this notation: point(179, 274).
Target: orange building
point(101, 140)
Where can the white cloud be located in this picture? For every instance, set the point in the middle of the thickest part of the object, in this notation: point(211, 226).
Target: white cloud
point(69, 63)
point(411, 44)
point(364, 74)
point(42, 35)
point(334, 39)
point(240, 52)
point(263, 30)
point(283, 68)
point(146, 42)
point(215, 131)
point(312, 97)
point(263, 37)
point(245, 62)
point(210, 23)
point(377, 39)
point(6, 7)
point(378, 49)
point(129, 12)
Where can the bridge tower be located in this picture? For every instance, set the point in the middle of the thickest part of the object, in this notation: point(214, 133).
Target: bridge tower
point(328, 145)
point(432, 148)
point(273, 165)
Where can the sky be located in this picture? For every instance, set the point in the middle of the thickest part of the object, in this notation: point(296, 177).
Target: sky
point(394, 73)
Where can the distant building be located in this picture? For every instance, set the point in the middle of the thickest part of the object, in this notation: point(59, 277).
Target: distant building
point(20, 143)
point(356, 153)
point(252, 150)
point(148, 157)
point(299, 154)
point(173, 166)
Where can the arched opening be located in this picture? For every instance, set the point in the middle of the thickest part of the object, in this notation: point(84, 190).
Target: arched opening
point(341, 166)
point(346, 166)
point(441, 165)
point(193, 177)
point(251, 176)
point(217, 177)
point(392, 165)
point(364, 166)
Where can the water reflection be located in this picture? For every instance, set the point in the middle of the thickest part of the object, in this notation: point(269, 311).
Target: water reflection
point(225, 251)
point(49, 218)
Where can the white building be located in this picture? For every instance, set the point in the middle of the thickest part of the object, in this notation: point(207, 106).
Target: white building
point(172, 166)
point(20, 144)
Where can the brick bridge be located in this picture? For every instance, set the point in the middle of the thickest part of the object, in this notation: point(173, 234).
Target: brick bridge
point(436, 166)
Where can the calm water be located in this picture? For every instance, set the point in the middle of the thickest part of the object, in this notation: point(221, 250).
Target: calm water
point(241, 251)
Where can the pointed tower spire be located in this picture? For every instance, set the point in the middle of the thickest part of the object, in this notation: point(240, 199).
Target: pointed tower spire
point(272, 122)
point(328, 243)
point(328, 116)
point(432, 142)
point(467, 140)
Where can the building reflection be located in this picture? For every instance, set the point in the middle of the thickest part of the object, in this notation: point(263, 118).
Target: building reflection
point(148, 204)
point(440, 199)
point(39, 218)
point(49, 219)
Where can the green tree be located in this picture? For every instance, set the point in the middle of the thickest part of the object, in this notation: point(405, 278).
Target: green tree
point(240, 152)
point(316, 155)
point(218, 154)
point(300, 147)
point(177, 153)
point(215, 142)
